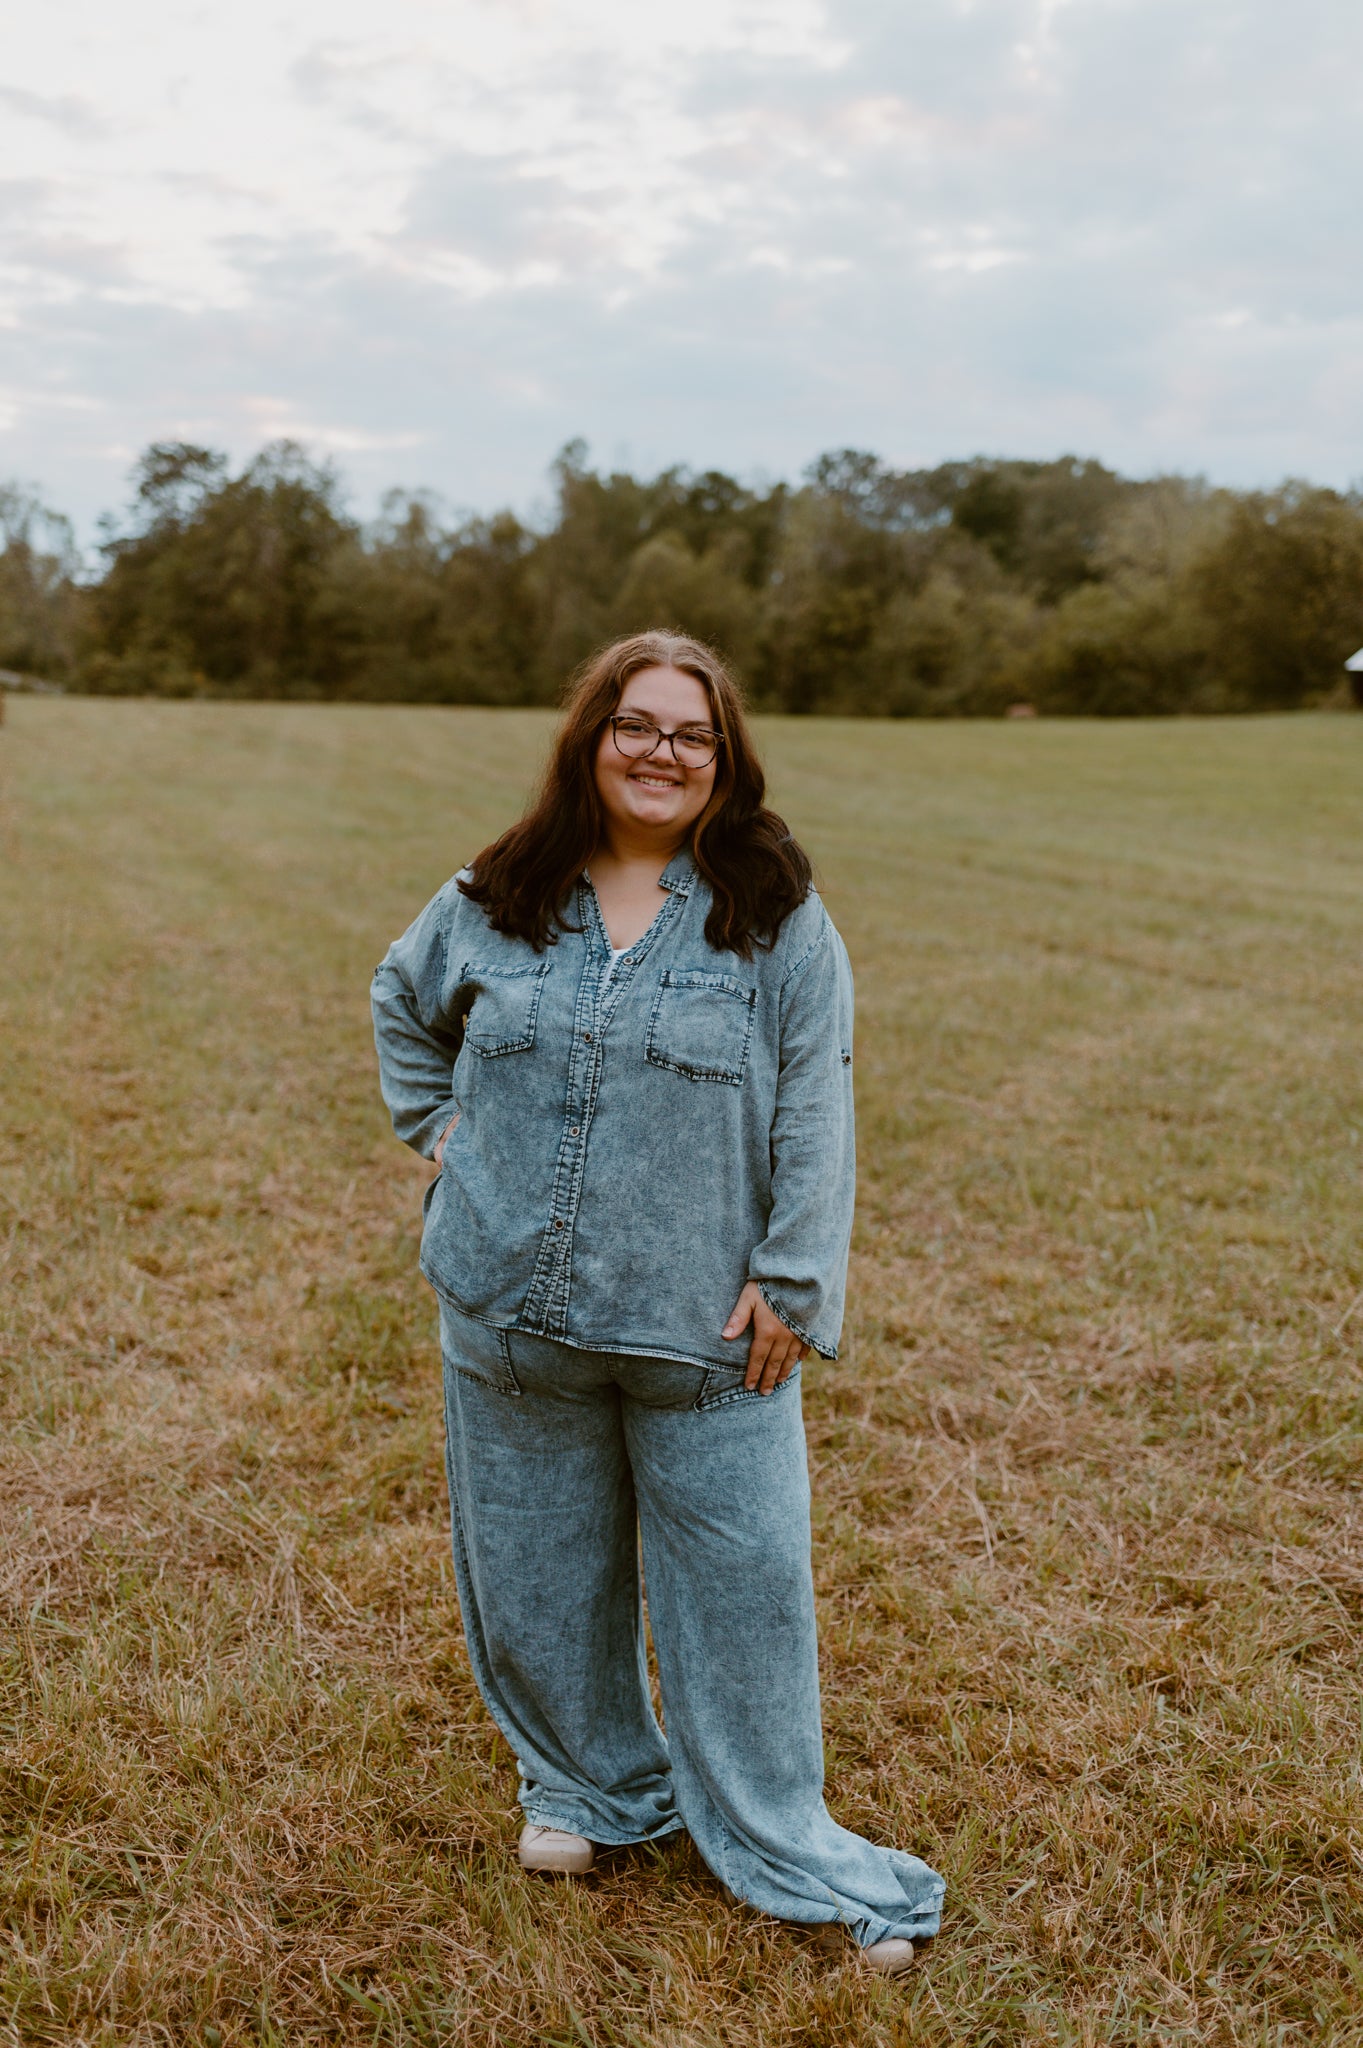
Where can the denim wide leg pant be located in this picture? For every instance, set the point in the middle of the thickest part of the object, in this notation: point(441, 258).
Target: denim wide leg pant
point(559, 1460)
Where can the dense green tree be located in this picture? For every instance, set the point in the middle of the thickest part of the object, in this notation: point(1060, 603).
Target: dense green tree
point(1281, 593)
point(931, 592)
point(434, 615)
point(1116, 650)
point(594, 566)
point(956, 647)
point(1044, 522)
point(39, 597)
point(666, 584)
point(846, 550)
point(219, 581)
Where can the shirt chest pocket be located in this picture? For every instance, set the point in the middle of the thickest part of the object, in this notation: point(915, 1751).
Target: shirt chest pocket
point(505, 1005)
point(701, 1025)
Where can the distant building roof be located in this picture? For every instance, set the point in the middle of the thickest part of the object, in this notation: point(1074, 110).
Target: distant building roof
point(1355, 661)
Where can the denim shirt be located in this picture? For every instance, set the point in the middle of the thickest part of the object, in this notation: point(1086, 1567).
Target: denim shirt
point(637, 1138)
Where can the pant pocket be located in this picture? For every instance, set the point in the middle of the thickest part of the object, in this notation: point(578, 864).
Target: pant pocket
point(661, 1382)
point(724, 1387)
point(476, 1349)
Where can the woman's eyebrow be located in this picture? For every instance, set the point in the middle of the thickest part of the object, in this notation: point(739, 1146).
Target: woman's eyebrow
point(638, 711)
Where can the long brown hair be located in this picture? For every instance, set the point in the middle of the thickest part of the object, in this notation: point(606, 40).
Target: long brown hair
point(757, 873)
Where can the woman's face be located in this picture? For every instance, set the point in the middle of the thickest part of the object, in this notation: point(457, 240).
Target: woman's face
point(657, 796)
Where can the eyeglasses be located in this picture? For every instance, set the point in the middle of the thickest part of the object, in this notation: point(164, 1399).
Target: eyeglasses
point(693, 746)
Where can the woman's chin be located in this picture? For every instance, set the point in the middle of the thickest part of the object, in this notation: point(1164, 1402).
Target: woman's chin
point(653, 807)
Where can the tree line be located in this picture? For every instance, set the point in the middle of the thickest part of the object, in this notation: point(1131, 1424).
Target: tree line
point(957, 590)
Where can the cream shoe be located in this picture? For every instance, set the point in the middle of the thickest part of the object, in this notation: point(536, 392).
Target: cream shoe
point(893, 1958)
point(549, 1849)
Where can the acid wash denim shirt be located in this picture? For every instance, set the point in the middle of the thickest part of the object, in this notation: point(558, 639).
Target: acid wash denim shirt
point(634, 1142)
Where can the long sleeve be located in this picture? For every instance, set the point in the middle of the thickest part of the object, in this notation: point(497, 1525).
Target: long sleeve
point(801, 1263)
point(416, 1031)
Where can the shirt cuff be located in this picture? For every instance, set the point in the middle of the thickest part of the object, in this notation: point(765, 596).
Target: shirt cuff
point(428, 1132)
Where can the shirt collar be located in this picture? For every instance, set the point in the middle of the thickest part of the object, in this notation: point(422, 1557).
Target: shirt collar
point(679, 873)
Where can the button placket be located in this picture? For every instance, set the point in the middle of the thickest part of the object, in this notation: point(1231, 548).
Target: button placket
point(547, 1301)
point(546, 1306)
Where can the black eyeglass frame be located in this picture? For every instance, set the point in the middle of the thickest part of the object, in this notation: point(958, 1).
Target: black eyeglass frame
point(619, 718)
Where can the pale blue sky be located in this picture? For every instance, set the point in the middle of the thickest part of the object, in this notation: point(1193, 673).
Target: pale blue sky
point(437, 240)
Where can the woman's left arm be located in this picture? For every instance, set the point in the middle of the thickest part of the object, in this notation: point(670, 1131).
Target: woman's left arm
point(798, 1273)
point(417, 1038)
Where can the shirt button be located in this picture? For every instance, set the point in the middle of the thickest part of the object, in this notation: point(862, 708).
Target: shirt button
point(558, 1223)
point(572, 1131)
point(587, 1037)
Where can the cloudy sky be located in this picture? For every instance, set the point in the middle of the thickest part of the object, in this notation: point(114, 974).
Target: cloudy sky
point(437, 238)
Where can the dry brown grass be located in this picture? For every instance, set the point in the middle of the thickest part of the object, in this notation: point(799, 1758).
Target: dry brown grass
point(1090, 1542)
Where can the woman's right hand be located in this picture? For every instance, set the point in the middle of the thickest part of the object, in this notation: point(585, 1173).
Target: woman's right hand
point(775, 1350)
point(440, 1142)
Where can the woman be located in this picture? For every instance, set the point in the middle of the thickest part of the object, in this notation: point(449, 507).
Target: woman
point(625, 1036)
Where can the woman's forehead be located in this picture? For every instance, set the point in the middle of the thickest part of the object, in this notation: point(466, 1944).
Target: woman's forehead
point(666, 693)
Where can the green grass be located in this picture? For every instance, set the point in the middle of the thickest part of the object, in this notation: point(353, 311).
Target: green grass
point(1089, 1538)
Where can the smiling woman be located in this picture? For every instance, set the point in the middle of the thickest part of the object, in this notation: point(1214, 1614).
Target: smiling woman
point(620, 787)
point(625, 1036)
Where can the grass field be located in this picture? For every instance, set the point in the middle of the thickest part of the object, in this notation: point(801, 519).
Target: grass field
point(1089, 1533)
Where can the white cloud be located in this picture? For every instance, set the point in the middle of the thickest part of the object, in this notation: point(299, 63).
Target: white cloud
point(444, 237)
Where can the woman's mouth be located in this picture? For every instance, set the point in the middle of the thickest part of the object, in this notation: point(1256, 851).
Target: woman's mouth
point(655, 781)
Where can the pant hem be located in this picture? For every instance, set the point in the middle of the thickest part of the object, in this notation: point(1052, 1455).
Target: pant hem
point(544, 1817)
point(866, 1931)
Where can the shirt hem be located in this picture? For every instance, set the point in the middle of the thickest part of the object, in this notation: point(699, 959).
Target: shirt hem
point(610, 1347)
